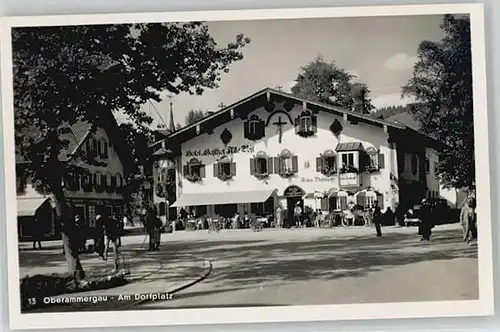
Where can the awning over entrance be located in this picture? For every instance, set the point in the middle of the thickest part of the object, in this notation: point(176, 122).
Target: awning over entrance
point(351, 146)
point(197, 199)
point(26, 207)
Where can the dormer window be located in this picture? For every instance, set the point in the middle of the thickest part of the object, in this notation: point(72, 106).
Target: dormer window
point(306, 124)
point(261, 166)
point(224, 169)
point(254, 128)
point(194, 170)
point(326, 163)
point(286, 164)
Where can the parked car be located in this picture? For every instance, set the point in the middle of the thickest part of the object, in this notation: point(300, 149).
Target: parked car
point(439, 209)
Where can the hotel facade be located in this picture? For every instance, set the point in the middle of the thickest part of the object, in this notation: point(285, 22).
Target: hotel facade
point(273, 148)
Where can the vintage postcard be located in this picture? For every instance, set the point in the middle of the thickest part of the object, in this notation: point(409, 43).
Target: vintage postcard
point(246, 166)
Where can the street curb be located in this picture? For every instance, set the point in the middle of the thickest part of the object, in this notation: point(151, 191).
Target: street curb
point(207, 265)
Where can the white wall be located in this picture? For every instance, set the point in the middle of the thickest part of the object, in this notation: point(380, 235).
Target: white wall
point(113, 167)
point(307, 149)
point(431, 178)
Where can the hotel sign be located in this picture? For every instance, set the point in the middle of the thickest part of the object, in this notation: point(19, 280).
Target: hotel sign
point(349, 180)
point(220, 151)
point(317, 179)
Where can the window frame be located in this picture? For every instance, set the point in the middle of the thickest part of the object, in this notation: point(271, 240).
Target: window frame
point(306, 124)
point(347, 167)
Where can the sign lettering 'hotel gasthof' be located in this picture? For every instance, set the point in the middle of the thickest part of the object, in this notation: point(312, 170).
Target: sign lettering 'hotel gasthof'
point(220, 151)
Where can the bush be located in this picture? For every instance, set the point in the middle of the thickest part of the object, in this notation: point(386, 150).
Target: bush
point(35, 288)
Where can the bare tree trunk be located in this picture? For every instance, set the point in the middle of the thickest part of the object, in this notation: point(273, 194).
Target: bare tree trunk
point(69, 235)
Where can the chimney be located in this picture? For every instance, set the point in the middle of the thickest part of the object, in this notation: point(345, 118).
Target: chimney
point(358, 91)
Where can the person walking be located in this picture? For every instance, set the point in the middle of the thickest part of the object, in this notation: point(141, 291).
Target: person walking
point(297, 213)
point(99, 236)
point(81, 234)
point(121, 228)
point(37, 234)
point(153, 226)
point(467, 220)
point(112, 231)
point(279, 217)
point(377, 218)
point(425, 227)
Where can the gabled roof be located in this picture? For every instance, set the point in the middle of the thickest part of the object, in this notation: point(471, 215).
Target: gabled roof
point(407, 119)
point(80, 131)
point(258, 99)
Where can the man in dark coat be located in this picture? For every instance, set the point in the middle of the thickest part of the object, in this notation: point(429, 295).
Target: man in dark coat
point(99, 236)
point(112, 232)
point(426, 223)
point(377, 219)
point(153, 225)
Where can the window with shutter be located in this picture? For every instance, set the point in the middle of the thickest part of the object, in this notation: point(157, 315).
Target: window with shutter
point(343, 203)
point(381, 161)
point(215, 169)
point(233, 169)
point(269, 165)
point(327, 163)
point(277, 165)
point(253, 166)
point(295, 164)
point(254, 128)
point(324, 204)
point(361, 199)
point(194, 170)
point(319, 164)
point(306, 124)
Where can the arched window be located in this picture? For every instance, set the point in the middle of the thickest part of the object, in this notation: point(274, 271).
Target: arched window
point(224, 168)
point(306, 124)
point(254, 128)
point(287, 163)
point(261, 165)
point(194, 170)
point(371, 197)
point(342, 200)
point(326, 163)
point(162, 209)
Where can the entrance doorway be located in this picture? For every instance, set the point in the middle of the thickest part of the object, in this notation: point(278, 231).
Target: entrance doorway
point(294, 197)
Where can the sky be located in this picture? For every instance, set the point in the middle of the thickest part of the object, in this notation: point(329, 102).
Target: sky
point(380, 51)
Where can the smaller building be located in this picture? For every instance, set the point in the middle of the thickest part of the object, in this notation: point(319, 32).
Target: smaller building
point(98, 191)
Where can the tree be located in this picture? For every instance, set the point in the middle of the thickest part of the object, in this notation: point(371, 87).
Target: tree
point(193, 116)
point(139, 140)
point(69, 74)
point(442, 84)
point(388, 111)
point(327, 83)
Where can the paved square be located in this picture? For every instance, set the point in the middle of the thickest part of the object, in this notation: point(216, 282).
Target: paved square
point(327, 266)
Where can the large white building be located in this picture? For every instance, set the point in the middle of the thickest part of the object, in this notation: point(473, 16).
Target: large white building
point(274, 148)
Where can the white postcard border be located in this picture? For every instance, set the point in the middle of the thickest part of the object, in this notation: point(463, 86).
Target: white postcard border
point(482, 307)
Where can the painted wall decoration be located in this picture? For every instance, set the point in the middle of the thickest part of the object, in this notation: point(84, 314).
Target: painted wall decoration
point(226, 136)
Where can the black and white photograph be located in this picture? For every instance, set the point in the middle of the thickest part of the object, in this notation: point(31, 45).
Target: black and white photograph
point(247, 166)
